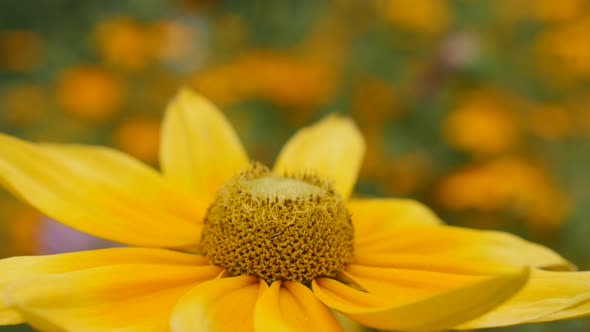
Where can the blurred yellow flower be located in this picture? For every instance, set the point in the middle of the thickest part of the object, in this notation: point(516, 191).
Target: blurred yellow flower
point(20, 50)
point(219, 83)
point(428, 17)
point(563, 51)
point(261, 249)
point(509, 184)
point(139, 136)
point(481, 123)
point(549, 10)
point(551, 121)
point(541, 10)
point(89, 92)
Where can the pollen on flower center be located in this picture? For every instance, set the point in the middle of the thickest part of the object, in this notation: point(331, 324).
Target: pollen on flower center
point(291, 228)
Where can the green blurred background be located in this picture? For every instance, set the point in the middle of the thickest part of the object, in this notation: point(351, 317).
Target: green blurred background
point(480, 109)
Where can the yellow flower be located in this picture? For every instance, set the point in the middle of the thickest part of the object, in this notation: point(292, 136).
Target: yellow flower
point(291, 228)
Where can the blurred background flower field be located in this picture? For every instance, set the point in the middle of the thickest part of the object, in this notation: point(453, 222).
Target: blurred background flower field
point(480, 109)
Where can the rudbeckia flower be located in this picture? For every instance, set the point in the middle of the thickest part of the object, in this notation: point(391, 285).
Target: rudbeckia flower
point(219, 243)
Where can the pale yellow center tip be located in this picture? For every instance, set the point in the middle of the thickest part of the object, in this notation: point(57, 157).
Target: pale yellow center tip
point(280, 188)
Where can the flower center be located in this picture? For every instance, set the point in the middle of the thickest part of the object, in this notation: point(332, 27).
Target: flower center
point(291, 228)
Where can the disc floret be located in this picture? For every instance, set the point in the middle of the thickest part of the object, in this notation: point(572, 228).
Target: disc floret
point(291, 228)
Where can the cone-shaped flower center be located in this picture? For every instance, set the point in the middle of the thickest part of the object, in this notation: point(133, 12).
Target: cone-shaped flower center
point(292, 228)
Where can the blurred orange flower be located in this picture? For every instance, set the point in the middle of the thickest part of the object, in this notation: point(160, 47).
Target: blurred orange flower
point(89, 92)
point(481, 123)
point(284, 79)
point(21, 227)
point(139, 136)
point(124, 42)
point(511, 184)
point(20, 50)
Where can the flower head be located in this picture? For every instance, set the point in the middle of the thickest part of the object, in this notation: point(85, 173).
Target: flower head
point(219, 243)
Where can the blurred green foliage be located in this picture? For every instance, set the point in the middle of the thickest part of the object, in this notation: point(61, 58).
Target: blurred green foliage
point(480, 109)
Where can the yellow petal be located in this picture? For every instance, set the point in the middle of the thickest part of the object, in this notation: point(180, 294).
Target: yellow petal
point(220, 305)
point(102, 162)
point(129, 297)
point(458, 243)
point(547, 296)
point(380, 214)
point(99, 191)
point(20, 268)
point(333, 148)
point(417, 300)
point(9, 316)
point(291, 307)
point(412, 282)
point(199, 149)
point(346, 323)
point(15, 268)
